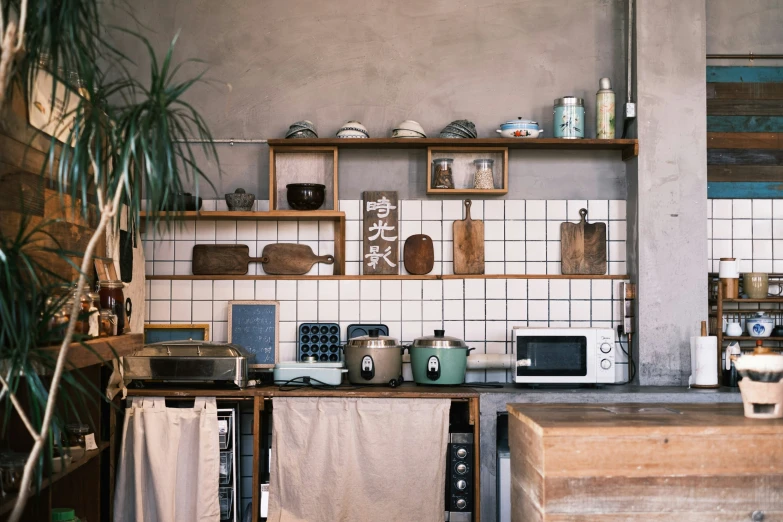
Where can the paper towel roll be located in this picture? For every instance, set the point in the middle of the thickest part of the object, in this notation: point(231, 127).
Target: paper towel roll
point(704, 361)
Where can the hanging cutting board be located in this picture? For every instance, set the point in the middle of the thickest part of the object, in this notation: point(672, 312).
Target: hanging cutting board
point(419, 254)
point(468, 244)
point(278, 259)
point(583, 247)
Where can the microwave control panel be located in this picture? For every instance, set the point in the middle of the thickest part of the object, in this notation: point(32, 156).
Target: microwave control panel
point(605, 360)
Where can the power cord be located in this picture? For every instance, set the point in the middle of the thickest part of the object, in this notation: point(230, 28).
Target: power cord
point(297, 383)
point(628, 353)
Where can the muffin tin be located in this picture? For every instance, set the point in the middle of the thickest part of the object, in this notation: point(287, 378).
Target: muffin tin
point(321, 339)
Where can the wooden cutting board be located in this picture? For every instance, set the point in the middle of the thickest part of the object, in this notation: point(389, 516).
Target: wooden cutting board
point(278, 259)
point(583, 247)
point(419, 254)
point(468, 244)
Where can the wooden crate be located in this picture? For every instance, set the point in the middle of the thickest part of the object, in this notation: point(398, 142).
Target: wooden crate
point(695, 462)
point(302, 165)
point(463, 169)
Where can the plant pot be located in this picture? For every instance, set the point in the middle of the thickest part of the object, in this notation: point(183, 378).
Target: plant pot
point(305, 196)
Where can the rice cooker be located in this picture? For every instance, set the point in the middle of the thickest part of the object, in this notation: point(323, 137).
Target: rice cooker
point(439, 359)
point(374, 359)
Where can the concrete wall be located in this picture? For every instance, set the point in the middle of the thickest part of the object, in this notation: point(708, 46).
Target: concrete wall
point(735, 26)
point(671, 185)
point(276, 62)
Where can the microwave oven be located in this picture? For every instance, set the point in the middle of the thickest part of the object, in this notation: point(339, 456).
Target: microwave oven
point(565, 356)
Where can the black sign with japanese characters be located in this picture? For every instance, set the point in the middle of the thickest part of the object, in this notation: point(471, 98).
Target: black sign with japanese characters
point(381, 234)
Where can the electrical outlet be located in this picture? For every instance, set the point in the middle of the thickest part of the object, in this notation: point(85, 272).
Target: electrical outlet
point(627, 297)
point(630, 111)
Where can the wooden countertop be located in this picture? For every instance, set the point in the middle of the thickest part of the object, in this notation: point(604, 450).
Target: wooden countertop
point(631, 419)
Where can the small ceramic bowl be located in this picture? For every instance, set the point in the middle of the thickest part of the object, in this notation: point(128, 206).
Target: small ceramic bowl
point(240, 201)
point(353, 129)
point(410, 125)
point(760, 325)
point(406, 133)
point(301, 134)
point(761, 367)
point(305, 196)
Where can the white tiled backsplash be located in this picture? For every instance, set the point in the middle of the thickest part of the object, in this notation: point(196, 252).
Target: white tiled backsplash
point(748, 229)
point(520, 237)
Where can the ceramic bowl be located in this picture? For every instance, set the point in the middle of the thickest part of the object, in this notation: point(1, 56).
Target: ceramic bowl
point(761, 367)
point(305, 196)
point(459, 129)
point(410, 125)
point(301, 129)
point(760, 325)
point(353, 129)
point(240, 201)
point(301, 134)
point(406, 133)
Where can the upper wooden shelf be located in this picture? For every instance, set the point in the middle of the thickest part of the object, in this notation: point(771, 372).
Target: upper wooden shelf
point(763, 300)
point(629, 148)
point(262, 215)
point(370, 277)
point(99, 351)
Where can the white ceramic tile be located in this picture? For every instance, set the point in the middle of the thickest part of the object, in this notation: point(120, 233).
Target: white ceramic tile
point(185, 230)
point(433, 229)
point(601, 310)
point(777, 229)
point(496, 309)
point(494, 210)
point(163, 250)
point(535, 251)
point(475, 331)
point(495, 289)
point(391, 289)
point(454, 328)
point(411, 330)
point(535, 230)
point(353, 250)
point(553, 250)
point(574, 206)
point(538, 289)
point(288, 310)
point(453, 288)
point(494, 251)
point(226, 230)
point(721, 248)
point(349, 310)
point(515, 250)
point(370, 311)
point(559, 310)
point(183, 250)
point(223, 290)
point(475, 309)
point(307, 311)
point(538, 311)
point(515, 209)
point(598, 210)
point(616, 251)
point(722, 208)
point(556, 209)
point(452, 210)
point(287, 231)
point(617, 209)
point(559, 289)
point(205, 230)
point(580, 289)
point(328, 290)
point(265, 290)
point(220, 310)
point(447, 250)
point(743, 249)
point(202, 311)
point(163, 267)
point(246, 230)
point(535, 268)
point(553, 230)
point(494, 268)
point(514, 230)
point(777, 208)
point(431, 210)
point(160, 289)
point(742, 229)
point(308, 231)
point(516, 288)
point(244, 290)
point(721, 228)
point(349, 290)
point(474, 288)
point(288, 332)
point(553, 267)
point(742, 208)
point(328, 311)
point(580, 310)
point(220, 331)
point(160, 310)
point(286, 290)
point(209, 204)
point(617, 268)
point(535, 209)
point(453, 310)
point(181, 290)
point(149, 250)
point(762, 265)
point(762, 229)
point(745, 265)
point(476, 209)
point(762, 208)
point(182, 267)
point(516, 310)
point(762, 249)
point(326, 231)
point(307, 290)
point(370, 290)
point(411, 311)
point(437, 252)
point(433, 290)
point(448, 231)
point(617, 230)
point(494, 230)
point(352, 209)
point(431, 312)
point(411, 210)
point(409, 228)
point(181, 311)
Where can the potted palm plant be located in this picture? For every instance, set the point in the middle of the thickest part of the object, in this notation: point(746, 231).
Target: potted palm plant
point(123, 134)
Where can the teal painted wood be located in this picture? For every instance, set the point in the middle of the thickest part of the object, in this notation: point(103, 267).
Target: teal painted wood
point(744, 190)
point(744, 74)
point(744, 123)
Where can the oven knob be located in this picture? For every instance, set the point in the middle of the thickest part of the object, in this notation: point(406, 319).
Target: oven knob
point(606, 347)
point(462, 485)
point(462, 453)
point(461, 468)
point(461, 503)
point(606, 364)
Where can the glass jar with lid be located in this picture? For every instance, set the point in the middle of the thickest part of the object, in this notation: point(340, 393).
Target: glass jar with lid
point(108, 324)
point(442, 177)
point(483, 179)
point(112, 298)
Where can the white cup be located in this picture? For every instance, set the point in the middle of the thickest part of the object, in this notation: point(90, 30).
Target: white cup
point(728, 268)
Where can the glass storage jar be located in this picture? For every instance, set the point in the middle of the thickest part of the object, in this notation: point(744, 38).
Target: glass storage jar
point(442, 176)
point(113, 299)
point(108, 323)
point(483, 179)
point(75, 433)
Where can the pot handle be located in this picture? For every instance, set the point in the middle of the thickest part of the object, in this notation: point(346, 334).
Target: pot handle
point(498, 131)
point(468, 352)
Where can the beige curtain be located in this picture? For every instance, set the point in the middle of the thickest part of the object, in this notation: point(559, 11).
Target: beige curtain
point(358, 460)
point(169, 460)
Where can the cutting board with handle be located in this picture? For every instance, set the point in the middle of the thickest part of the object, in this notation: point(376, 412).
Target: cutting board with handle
point(419, 254)
point(468, 244)
point(583, 247)
point(278, 259)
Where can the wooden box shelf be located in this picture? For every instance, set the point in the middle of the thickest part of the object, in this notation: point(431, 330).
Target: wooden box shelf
point(302, 164)
point(464, 169)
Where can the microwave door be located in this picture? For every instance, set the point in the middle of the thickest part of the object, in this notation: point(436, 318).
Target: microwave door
point(553, 359)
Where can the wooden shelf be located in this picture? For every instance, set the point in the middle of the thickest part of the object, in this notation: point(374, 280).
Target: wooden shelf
point(371, 277)
point(763, 300)
point(748, 338)
point(101, 348)
point(466, 191)
point(262, 215)
point(8, 502)
point(629, 148)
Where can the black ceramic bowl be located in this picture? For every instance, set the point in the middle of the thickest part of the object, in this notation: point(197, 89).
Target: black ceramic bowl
point(305, 196)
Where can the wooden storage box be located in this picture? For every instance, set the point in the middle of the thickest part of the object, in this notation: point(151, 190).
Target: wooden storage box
point(305, 164)
point(463, 169)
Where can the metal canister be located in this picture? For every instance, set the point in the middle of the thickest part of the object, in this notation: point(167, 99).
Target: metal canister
point(569, 114)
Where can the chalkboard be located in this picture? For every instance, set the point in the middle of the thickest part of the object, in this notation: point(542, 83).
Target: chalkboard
point(253, 325)
point(154, 333)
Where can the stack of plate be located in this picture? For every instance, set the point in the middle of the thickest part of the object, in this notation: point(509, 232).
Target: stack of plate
point(353, 129)
point(408, 129)
point(459, 129)
point(301, 129)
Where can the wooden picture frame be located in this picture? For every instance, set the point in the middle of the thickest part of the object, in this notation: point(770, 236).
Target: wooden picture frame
point(254, 333)
point(175, 328)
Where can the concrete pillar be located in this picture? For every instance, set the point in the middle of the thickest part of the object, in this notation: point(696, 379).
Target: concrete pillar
point(667, 187)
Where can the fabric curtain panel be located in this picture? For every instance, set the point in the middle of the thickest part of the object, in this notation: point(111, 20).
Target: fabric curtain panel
point(169, 463)
point(355, 460)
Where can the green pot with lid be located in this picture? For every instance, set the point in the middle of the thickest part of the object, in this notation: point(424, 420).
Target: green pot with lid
point(439, 359)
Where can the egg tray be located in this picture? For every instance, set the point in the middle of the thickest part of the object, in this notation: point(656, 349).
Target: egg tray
point(321, 339)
